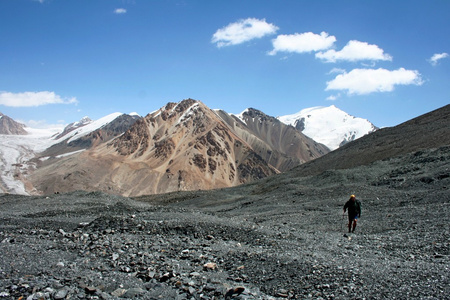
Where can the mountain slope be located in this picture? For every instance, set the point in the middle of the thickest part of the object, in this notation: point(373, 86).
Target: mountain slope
point(280, 145)
point(9, 126)
point(329, 125)
point(428, 131)
point(86, 133)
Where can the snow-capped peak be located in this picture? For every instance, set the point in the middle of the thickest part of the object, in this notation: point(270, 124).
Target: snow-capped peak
point(329, 125)
point(84, 121)
point(241, 115)
point(85, 126)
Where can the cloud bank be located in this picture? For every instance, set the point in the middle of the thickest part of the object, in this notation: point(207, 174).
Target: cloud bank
point(33, 99)
point(242, 31)
point(354, 51)
point(436, 57)
point(302, 42)
point(366, 81)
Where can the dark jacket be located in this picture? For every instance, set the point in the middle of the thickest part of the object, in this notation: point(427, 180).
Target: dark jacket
point(354, 208)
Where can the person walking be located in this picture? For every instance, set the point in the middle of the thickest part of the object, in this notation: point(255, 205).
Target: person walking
point(353, 206)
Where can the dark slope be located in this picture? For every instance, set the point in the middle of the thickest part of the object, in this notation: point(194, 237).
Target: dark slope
point(428, 131)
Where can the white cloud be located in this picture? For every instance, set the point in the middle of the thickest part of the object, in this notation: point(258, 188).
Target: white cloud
point(30, 99)
point(436, 57)
point(355, 51)
point(242, 31)
point(120, 11)
point(366, 81)
point(336, 70)
point(302, 42)
point(333, 97)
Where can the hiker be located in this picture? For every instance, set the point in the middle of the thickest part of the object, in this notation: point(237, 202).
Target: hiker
point(354, 212)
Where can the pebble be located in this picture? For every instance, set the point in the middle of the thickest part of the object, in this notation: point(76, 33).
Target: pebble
point(210, 266)
point(61, 294)
point(118, 292)
point(133, 292)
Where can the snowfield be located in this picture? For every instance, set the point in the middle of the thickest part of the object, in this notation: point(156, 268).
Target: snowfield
point(16, 152)
point(85, 130)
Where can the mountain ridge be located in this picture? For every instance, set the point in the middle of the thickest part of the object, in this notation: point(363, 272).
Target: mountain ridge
point(180, 146)
point(267, 146)
point(426, 131)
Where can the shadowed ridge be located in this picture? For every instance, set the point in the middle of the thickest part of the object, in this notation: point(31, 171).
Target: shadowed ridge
point(431, 130)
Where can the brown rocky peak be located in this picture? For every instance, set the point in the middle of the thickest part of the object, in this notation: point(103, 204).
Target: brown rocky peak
point(254, 113)
point(185, 104)
point(181, 146)
point(9, 126)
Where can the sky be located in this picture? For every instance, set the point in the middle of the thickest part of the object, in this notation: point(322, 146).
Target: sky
point(385, 61)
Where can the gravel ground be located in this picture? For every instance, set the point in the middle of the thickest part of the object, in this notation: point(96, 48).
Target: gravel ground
point(280, 238)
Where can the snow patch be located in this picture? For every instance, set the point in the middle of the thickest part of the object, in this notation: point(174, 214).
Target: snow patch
point(70, 153)
point(241, 115)
point(189, 112)
point(88, 128)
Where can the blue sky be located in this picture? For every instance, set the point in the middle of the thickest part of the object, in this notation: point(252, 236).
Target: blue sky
point(60, 60)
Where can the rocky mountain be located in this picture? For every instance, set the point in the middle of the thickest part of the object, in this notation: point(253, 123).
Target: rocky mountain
point(73, 126)
point(9, 126)
point(329, 125)
point(182, 146)
point(281, 146)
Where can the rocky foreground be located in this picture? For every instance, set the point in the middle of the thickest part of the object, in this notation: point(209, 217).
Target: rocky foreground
point(280, 238)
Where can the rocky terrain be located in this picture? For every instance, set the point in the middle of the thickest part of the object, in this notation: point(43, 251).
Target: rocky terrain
point(282, 237)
